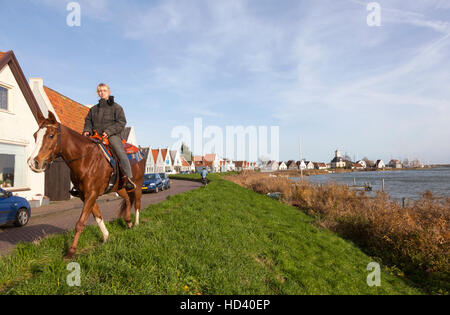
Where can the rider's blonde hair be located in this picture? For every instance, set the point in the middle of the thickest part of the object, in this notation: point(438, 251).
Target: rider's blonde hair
point(102, 85)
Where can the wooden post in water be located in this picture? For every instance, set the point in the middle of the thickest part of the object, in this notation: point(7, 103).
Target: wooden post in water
point(354, 181)
point(382, 185)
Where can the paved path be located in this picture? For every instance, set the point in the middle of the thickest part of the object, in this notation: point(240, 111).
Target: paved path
point(62, 216)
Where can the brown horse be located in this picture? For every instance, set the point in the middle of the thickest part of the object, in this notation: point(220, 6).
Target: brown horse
point(89, 172)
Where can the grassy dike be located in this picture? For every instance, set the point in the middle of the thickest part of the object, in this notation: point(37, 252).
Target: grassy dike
point(219, 239)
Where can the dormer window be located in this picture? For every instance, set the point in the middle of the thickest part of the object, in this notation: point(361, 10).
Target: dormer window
point(3, 98)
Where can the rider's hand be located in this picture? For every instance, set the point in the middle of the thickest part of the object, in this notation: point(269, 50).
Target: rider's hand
point(105, 135)
point(86, 133)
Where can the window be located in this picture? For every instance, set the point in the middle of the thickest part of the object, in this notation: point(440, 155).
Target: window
point(12, 166)
point(3, 98)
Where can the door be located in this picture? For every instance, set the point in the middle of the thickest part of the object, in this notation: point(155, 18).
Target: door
point(57, 181)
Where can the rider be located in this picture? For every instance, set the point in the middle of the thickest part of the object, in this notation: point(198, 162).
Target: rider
point(108, 119)
point(204, 173)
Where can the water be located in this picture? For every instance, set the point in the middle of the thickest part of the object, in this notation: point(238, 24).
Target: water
point(399, 184)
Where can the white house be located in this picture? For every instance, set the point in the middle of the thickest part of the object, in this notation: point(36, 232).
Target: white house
point(282, 166)
point(175, 157)
point(270, 166)
point(227, 165)
point(185, 166)
point(309, 165)
point(215, 160)
point(19, 116)
point(395, 164)
point(320, 166)
point(380, 164)
point(337, 161)
point(149, 162)
point(129, 135)
point(159, 161)
point(301, 165)
point(168, 166)
point(363, 163)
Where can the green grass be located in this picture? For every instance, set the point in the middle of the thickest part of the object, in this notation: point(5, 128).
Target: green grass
point(219, 239)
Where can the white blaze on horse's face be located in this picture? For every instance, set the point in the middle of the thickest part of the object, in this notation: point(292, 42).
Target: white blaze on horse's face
point(44, 147)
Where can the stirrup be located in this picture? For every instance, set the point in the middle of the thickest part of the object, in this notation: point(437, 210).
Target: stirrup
point(74, 192)
point(129, 185)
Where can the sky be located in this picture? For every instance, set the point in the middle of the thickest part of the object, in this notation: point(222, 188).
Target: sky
point(314, 68)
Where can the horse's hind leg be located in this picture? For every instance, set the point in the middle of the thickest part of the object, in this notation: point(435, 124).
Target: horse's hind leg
point(125, 207)
point(137, 204)
point(101, 224)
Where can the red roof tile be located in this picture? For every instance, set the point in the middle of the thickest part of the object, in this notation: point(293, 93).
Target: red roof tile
point(164, 154)
point(72, 114)
point(155, 154)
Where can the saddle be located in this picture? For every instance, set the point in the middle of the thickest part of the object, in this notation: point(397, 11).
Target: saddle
point(134, 154)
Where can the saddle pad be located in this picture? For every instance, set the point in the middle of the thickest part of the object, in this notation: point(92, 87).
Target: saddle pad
point(134, 158)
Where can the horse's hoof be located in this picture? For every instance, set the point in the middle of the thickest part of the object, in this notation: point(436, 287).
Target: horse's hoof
point(106, 239)
point(129, 225)
point(70, 253)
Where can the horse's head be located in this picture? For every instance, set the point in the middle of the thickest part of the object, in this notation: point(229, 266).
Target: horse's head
point(47, 144)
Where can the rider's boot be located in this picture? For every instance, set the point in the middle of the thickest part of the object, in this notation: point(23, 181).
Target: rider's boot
point(128, 184)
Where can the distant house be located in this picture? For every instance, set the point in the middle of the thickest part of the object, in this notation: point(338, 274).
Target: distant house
point(270, 166)
point(282, 166)
point(168, 165)
point(129, 135)
point(363, 163)
point(291, 165)
point(380, 164)
point(241, 165)
point(214, 159)
point(320, 166)
point(149, 160)
point(185, 166)
point(395, 164)
point(175, 158)
point(159, 161)
point(227, 165)
point(301, 165)
point(309, 165)
point(357, 166)
point(337, 161)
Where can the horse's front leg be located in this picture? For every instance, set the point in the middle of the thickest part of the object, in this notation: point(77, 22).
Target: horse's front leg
point(89, 202)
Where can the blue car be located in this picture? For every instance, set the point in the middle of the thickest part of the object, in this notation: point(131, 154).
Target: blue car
point(13, 209)
point(166, 180)
point(152, 183)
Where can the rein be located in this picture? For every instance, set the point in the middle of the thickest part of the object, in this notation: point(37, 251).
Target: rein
point(60, 153)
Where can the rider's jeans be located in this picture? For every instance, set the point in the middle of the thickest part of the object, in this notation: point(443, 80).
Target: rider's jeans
point(117, 145)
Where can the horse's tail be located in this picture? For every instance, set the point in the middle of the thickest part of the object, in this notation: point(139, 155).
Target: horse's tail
point(123, 205)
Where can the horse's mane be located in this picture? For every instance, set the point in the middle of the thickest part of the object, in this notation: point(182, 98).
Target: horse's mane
point(77, 135)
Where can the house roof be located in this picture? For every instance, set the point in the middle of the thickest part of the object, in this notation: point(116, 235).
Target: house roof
point(198, 158)
point(155, 154)
point(173, 154)
point(184, 162)
point(145, 152)
point(210, 157)
point(164, 154)
point(8, 58)
point(71, 113)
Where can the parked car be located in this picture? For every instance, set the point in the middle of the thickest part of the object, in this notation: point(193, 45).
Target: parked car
point(152, 183)
point(13, 209)
point(166, 180)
